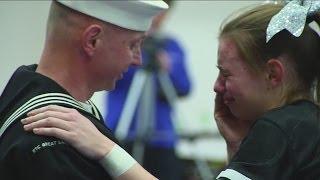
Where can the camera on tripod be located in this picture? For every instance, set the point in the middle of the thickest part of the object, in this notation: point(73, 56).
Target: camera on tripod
point(150, 48)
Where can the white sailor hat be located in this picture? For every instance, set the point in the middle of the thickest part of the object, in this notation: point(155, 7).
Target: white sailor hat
point(131, 14)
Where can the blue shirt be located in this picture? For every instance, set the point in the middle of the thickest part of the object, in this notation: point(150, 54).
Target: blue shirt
point(163, 134)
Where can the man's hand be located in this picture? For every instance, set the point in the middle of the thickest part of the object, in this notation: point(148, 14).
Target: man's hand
point(232, 129)
point(164, 61)
point(69, 125)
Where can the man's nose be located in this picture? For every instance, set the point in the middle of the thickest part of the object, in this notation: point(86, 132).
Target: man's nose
point(137, 58)
point(137, 61)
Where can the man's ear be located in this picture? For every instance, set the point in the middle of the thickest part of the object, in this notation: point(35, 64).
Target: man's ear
point(91, 38)
point(275, 71)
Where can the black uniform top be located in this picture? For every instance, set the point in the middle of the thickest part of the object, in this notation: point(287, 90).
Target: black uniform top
point(283, 144)
point(24, 155)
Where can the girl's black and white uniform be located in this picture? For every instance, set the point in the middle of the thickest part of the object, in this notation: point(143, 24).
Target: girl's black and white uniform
point(24, 155)
point(283, 144)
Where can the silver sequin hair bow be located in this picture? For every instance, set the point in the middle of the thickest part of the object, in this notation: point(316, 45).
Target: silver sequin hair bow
point(292, 17)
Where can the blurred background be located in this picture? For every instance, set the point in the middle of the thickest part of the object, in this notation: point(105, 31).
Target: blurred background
point(195, 24)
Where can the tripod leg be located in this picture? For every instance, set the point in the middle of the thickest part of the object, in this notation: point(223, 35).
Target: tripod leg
point(170, 94)
point(130, 104)
point(138, 151)
point(145, 120)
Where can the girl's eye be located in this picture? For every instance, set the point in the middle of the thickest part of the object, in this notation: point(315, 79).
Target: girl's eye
point(224, 74)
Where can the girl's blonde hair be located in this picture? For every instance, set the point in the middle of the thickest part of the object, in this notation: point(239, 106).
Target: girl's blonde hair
point(248, 31)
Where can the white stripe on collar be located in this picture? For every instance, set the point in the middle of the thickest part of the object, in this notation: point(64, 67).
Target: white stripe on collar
point(86, 106)
point(43, 99)
point(95, 109)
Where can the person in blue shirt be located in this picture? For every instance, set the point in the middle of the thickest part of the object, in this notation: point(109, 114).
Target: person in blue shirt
point(159, 157)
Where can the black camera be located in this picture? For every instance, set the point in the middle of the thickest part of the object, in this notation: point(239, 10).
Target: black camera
point(150, 48)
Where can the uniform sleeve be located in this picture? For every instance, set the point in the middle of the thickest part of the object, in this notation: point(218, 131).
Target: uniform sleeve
point(49, 158)
point(30, 156)
point(262, 155)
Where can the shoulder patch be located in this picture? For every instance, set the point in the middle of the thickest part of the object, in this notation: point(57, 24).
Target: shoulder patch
point(46, 144)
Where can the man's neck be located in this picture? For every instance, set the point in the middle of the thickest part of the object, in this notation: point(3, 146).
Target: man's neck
point(70, 78)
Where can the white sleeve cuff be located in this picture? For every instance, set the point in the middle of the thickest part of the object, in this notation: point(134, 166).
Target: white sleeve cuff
point(232, 175)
